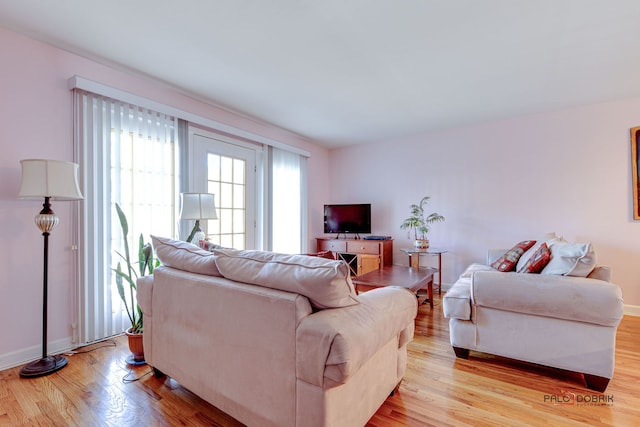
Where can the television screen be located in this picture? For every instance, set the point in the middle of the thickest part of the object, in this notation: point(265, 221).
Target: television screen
point(353, 218)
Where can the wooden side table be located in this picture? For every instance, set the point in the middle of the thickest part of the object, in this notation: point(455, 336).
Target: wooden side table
point(414, 261)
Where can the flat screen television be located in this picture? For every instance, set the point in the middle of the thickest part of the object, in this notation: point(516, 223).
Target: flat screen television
point(347, 218)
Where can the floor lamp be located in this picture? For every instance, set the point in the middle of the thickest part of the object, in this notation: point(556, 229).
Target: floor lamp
point(197, 206)
point(57, 180)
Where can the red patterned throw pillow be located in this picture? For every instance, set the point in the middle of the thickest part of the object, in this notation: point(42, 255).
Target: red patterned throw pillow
point(538, 260)
point(508, 261)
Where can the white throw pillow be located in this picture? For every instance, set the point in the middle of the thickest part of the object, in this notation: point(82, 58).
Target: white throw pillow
point(571, 259)
point(327, 283)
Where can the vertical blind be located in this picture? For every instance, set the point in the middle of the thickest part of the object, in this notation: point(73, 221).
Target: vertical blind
point(288, 203)
point(133, 156)
point(128, 155)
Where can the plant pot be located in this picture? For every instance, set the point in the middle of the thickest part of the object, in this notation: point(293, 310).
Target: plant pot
point(136, 347)
point(421, 244)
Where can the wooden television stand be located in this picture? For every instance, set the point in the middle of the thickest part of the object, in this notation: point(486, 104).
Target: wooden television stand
point(362, 256)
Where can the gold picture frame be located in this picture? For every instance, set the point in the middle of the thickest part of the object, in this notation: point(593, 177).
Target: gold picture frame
point(635, 149)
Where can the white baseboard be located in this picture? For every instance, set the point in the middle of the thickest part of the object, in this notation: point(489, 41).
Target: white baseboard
point(20, 357)
point(632, 310)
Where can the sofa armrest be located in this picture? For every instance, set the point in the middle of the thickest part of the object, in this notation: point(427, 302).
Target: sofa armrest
point(562, 297)
point(333, 344)
point(144, 293)
point(456, 303)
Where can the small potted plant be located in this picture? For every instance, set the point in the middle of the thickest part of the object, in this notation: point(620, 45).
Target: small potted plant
point(129, 275)
point(420, 223)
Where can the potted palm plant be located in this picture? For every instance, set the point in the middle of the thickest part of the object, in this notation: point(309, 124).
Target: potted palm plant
point(126, 283)
point(420, 223)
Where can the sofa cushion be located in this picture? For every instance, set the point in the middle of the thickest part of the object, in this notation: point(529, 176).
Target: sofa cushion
point(571, 298)
point(571, 259)
point(327, 283)
point(509, 260)
point(537, 261)
point(185, 256)
point(601, 272)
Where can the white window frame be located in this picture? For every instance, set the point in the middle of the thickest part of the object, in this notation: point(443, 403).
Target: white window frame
point(196, 183)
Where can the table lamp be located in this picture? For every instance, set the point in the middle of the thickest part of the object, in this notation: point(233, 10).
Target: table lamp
point(57, 180)
point(197, 206)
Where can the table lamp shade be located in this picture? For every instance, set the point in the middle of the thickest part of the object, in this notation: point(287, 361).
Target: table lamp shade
point(198, 206)
point(49, 178)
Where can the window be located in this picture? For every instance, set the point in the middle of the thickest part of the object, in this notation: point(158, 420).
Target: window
point(127, 156)
point(226, 178)
point(134, 156)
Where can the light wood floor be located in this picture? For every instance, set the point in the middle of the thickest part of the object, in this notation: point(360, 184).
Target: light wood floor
point(438, 390)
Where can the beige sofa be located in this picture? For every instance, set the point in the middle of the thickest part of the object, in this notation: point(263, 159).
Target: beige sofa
point(274, 340)
point(556, 320)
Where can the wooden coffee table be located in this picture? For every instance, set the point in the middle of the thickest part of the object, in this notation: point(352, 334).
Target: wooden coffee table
point(411, 278)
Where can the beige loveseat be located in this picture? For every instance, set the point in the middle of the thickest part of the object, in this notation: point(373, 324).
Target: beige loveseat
point(553, 319)
point(274, 340)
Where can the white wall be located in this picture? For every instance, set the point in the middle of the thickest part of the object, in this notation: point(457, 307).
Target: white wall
point(498, 183)
point(36, 122)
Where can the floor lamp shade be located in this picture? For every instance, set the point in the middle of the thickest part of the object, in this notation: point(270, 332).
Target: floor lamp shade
point(197, 206)
point(57, 180)
point(49, 178)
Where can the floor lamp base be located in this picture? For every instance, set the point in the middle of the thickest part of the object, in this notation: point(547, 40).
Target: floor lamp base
point(46, 366)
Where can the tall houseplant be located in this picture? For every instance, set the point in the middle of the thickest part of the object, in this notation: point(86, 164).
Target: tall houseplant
point(420, 223)
point(126, 283)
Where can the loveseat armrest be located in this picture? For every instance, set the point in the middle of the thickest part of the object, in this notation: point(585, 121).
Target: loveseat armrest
point(563, 297)
point(332, 344)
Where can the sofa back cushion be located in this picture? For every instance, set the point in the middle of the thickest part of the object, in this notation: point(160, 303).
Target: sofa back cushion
point(326, 283)
point(601, 272)
point(185, 256)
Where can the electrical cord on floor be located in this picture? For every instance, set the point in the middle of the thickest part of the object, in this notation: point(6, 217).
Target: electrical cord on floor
point(127, 378)
point(78, 350)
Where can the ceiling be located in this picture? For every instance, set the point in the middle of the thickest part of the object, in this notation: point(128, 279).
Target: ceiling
point(347, 72)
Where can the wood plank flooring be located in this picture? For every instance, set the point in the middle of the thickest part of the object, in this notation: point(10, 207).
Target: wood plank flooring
point(98, 388)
